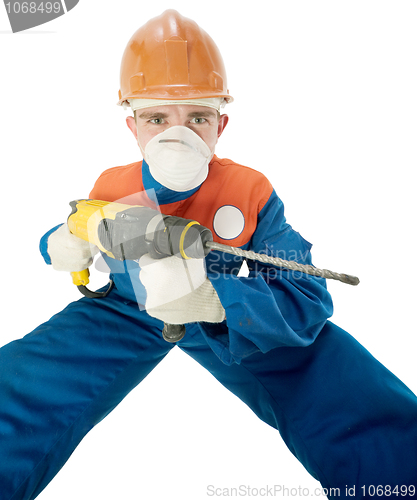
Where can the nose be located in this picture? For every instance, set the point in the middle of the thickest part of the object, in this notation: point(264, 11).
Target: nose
point(180, 116)
point(177, 121)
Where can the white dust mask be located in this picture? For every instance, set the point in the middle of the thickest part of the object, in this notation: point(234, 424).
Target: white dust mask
point(178, 158)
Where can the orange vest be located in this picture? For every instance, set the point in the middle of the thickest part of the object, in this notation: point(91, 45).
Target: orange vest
point(228, 201)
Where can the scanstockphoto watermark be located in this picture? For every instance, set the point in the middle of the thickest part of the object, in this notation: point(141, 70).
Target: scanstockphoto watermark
point(24, 15)
point(276, 490)
point(225, 266)
point(282, 491)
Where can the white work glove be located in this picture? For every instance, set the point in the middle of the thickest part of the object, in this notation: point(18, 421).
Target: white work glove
point(178, 291)
point(68, 252)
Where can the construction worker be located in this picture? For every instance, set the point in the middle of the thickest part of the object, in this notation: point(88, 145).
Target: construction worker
point(265, 336)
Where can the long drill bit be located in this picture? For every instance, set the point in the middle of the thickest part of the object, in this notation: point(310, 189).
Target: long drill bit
point(286, 264)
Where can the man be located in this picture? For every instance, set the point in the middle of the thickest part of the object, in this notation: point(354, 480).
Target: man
point(266, 337)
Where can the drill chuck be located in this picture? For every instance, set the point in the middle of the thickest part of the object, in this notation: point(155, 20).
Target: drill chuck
point(182, 237)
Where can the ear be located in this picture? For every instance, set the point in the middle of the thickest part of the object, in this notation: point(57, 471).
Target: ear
point(130, 121)
point(223, 121)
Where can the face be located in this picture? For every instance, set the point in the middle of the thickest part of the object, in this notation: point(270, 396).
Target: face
point(202, 120)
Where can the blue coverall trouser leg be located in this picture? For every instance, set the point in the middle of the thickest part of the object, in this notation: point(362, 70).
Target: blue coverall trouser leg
point(344, 416)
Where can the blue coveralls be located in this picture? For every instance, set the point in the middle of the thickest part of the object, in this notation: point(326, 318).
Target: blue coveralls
point(348, 419)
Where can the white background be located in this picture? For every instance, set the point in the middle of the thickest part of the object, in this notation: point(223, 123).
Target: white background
point(325, 105)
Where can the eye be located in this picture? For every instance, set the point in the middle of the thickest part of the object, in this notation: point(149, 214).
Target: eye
point(157, 121)
point(198, 120)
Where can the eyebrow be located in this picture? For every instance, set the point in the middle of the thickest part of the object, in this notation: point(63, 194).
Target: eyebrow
point(146, 115)
point(202, 114)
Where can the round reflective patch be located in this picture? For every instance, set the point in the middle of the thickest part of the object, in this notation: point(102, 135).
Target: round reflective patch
point(228, 222)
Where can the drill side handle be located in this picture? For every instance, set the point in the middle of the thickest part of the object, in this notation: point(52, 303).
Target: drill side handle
point(173, 333)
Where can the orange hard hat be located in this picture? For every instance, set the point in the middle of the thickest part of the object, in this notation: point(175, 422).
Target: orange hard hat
point(171, 57)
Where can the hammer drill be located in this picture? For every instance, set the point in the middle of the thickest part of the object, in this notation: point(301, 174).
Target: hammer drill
point(126, 232)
